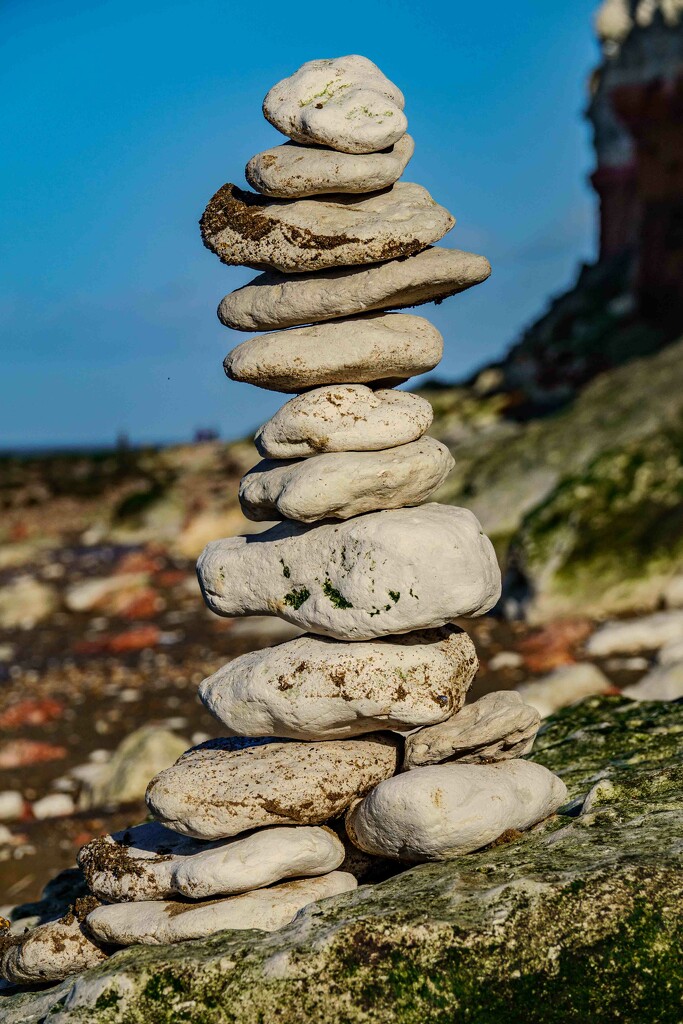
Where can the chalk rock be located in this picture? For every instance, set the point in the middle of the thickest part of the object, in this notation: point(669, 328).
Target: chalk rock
point(345, 103)
point(53, 805)
point(563, 686)
point(444, 811)
point(343, 418)
point(12, 804)
point(496, 727)
point(667, 655)
point(151, 862)
point(663, 683)
point(385, 572)
point(24, 602)
point(275, 300)
point(630, 636)
point(124, 778)
point(296, 235)
point(50, 952)
point(312, 688)
point(213, 793)
point(154, 922)
point(293, 171)
point(345, 484)
point(374, 349)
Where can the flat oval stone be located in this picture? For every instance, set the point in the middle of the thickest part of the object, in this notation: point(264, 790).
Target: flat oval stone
point(273, 300)
point(344, 102)
point(316, 689)
point(214, 793)
point(496, 727)
point(376, 574)
point(445, 811)
point(298, 235)
point(345, 484)
point(374, 349)
point(159, 921)
point(151, 862)
point(343, 418)
point(293, 171)
point(50, 952)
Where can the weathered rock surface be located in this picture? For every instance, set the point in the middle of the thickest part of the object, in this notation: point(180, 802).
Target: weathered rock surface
point(385, 572)
point(293, 171)
point(311, 688)
point(345, 103)
point(215, 793)
point(602, 890)
point(344, 484)
point(374, 349)
point(444, 811)
point(157, 922)
point(50, 952)
point(343, 418)
point(299, 235)
point(273, 300)
point(497, 727)
point(663, 683)
point(631, 636)
point(151, 862)
point(563, 686)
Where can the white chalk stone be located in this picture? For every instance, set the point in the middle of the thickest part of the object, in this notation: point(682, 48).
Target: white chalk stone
point(294, 171)
point(381, 573)
point(214, 793)
point(344, 484)
point(668, 654)
point(273, 300)
point(157, 922)
point(663, 683)
point(151, 862)
point(448, 810)
point(11, 804)
point(564, 686)
point(630, 636)
point(50, 952)
point(299, 235)
point(344, 102)
point(54, 805)
point(311, 688)
point(343, 418)
point(497, 727)
point(373, 349)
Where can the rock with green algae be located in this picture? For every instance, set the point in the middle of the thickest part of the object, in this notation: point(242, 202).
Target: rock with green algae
point(578, 920)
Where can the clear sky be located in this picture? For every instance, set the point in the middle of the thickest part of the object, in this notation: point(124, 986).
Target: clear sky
point(122, 117)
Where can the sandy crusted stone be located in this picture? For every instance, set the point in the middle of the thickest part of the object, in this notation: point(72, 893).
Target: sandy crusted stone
point(293, 171)
point(274, 300)
point(50, 952)
point(447, 810)
point(343, 418)
point(377, 348)
point(153, 922)
point(311, 688)
point(298, 235)
point(151, 862)
point(213, 793)
point(381, 573)
point(497, 727)
point(345, 484)
point(344, 102)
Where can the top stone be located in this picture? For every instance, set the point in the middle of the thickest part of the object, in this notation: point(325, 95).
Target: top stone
point(345, 103)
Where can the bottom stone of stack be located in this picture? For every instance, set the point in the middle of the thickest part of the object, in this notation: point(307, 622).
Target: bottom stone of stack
point(158, 922)
point(50, 952)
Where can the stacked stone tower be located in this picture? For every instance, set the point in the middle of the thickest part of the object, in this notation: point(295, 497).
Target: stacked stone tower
point(360, 722)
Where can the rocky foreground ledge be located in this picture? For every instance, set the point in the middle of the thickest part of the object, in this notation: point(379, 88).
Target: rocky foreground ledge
point(579, 920)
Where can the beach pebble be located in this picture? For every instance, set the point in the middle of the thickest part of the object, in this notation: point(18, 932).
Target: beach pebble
point(381, 573)
point(215, 791)
point(312, 688)
point(630, 636)
point(151, 862)
point(11, 804)
point(497, 727)
point(345, 103)
point(445, 811)
point(54, 805)
point(273, 300)
point(49, 952)
point(670, 653)
point(298, 235)
point(375, 349)
point(663, 683)
point(343, 418)
point(564, 686)
point(344, 484)
point(293, 171)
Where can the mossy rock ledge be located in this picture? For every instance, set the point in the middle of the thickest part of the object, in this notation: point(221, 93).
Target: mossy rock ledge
point(579, 920)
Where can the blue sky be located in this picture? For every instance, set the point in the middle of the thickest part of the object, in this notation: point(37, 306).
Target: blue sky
point(122, 118)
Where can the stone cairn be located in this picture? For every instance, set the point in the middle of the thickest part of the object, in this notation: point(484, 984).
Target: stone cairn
point(363, 714)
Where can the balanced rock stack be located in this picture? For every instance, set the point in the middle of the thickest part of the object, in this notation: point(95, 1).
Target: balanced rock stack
point(313, 727)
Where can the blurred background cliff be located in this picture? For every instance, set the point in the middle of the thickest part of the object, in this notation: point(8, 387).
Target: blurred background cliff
point(569, 449)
